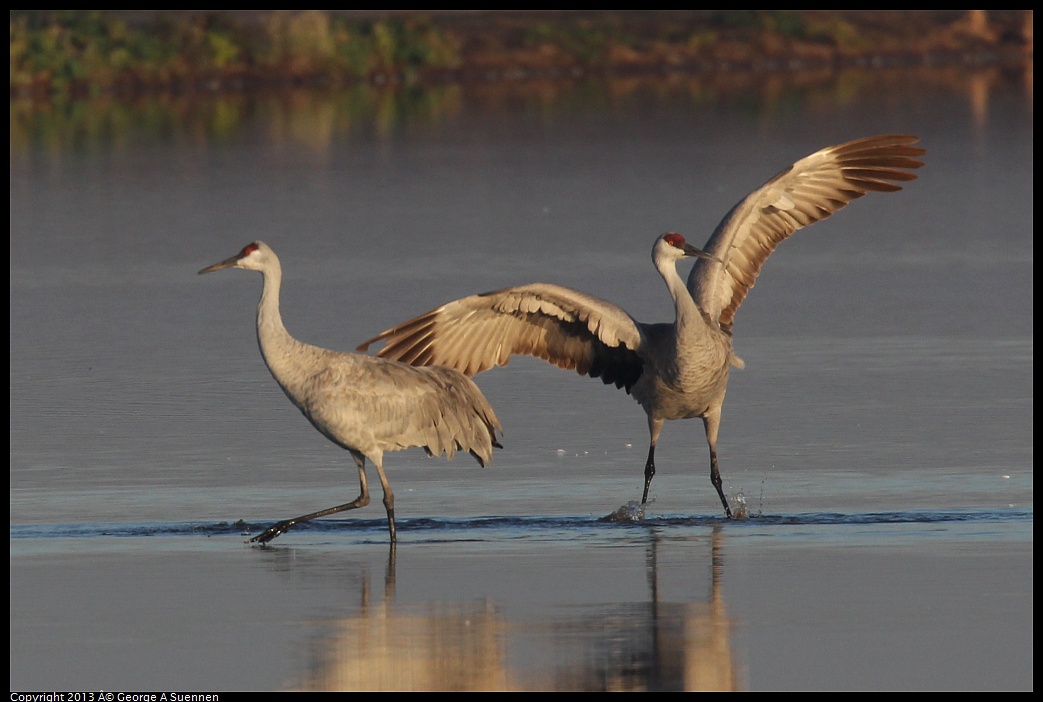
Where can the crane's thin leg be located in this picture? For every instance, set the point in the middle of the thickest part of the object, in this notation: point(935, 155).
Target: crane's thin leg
point(654, 427)
point(282, 527)
point(389, 497)
point(649, 472)
point(711, 422)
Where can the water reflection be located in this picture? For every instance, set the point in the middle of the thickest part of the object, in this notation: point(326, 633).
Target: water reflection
point(310, 119)
point(639, 646)
point(458, 647)
point(314, 119)
point(652, 646)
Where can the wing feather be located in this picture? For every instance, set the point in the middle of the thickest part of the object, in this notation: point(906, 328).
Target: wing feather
point(810, 190)
point(565, 327)
point(371, 405)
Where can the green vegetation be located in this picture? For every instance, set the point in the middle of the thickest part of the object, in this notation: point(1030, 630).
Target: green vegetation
point(786, 22)
point(586, 44)
point(74, 53)
point(91, 52)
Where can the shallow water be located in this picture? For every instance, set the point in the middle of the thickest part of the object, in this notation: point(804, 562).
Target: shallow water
point(880, 434)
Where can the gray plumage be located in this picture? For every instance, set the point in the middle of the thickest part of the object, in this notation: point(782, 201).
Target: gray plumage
point(365, 404)
point(675, 370)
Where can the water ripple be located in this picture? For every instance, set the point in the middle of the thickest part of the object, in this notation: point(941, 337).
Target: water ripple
point(535, 524)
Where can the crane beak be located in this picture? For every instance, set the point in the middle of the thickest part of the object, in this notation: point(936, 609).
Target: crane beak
point(690, 250)
point(227, 263)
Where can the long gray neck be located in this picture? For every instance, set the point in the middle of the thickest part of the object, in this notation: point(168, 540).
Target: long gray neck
point(288, 359)
point(684, 306)
point(271, 334)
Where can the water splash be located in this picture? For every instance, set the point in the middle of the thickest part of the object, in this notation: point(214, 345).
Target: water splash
point(740, 510)
point(630, 512)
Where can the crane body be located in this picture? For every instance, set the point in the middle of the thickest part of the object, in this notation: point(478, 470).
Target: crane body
point(365, 404)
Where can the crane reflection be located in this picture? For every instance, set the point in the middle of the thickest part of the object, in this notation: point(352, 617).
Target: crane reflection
point(469, 646)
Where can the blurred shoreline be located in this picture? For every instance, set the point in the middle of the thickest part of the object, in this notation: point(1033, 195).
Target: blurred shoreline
point(72, 54)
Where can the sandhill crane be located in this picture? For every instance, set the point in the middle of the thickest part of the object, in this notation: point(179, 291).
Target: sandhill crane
point(365, 404)
point(675, 370)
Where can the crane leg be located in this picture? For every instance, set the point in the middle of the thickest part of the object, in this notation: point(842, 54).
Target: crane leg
point(389, 498)
point(654, 427)
point(649, 473)
point(361, 501)
point(711, 422)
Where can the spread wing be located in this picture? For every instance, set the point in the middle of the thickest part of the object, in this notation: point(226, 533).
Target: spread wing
point(810, 190)
point(565, 327)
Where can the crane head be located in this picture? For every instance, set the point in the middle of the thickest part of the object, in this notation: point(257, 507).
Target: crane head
point(673, 246)
point(250, 258)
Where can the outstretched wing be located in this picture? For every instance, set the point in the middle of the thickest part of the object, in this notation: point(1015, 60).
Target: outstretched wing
point(811, 189)
point(565, 327)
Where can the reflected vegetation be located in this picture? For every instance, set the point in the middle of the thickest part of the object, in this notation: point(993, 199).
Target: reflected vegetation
point(315, 118)
point(636, 646)
point(304, 118)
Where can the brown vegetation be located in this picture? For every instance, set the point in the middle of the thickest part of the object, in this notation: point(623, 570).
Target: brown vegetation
point(76, 52)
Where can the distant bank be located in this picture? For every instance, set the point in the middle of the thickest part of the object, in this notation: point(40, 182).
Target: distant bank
point(72, 53)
